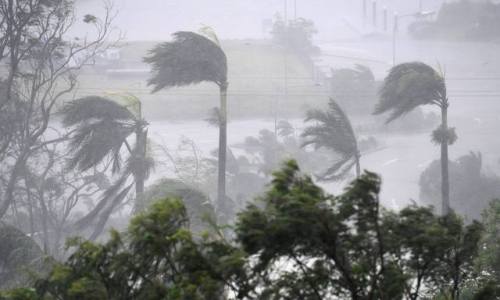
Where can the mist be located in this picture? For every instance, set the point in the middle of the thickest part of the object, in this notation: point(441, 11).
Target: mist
point(264, 139)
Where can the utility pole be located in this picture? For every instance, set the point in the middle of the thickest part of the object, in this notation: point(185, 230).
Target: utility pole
point(365, 12)
point(374, 13)
point(285, 14)
point(295, 9)
point(394, 32)
point(385, 19)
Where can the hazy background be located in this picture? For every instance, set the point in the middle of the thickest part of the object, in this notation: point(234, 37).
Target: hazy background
point(344, 40)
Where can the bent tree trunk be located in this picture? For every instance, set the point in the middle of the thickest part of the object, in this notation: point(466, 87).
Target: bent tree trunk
point(445, 184)
point(221, 180)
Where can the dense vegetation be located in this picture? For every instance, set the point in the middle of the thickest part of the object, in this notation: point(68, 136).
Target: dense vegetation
point(243, 222)
point(296, 242)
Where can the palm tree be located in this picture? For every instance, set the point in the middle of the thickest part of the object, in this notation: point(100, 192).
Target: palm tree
point(190, 59)
point(333, 131)
point(102, 130)
point(408, 86)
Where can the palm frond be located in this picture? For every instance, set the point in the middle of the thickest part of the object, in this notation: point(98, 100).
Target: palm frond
point(408, 86)
point(93, 107)
point(93, 142)
point(332, 130)
point(214, 118)
point(140, 166)
point(106, 199)
point(189, 59)
point(106, 213)
point(338, 171)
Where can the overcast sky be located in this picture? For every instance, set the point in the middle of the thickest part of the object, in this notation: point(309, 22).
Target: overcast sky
point(157, 19)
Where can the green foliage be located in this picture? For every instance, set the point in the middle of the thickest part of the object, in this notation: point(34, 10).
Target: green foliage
point(296, 242)
point(198, 205)
point(333, 130)
point(488, 261)
point(189, 59)
point(307, 244)
point(156, 258)
point(408, 86)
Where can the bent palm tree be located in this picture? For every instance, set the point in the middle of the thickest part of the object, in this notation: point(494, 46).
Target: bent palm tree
point(190, 59)
point(408, 86)
point(102, 129)
point(334, 131)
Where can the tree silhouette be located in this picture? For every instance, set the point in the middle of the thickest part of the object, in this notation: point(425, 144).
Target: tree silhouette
point(102, 130)
point(192, 58)
point(334, 131)
point(408, 86)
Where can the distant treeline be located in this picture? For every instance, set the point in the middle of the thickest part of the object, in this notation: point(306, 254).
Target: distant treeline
point(462, 20)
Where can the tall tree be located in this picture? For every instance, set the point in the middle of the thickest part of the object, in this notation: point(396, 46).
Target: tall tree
point(333, 130)
point(42, 68)
point(410, 85)
point(103, 128)
point(192, 58)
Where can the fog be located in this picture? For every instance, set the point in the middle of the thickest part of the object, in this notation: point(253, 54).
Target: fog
point(106, 108)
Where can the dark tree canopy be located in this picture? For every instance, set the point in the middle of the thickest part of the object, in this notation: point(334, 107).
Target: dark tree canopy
point(408, 86)
point(189, 59)
point(295, 242)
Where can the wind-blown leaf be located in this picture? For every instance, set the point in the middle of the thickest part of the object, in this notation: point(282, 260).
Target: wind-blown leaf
point(189, 59)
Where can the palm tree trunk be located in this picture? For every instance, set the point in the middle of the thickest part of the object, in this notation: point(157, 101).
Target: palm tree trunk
point(358, 166)
point(140, 177)
point(221, 181)
point(445, 184)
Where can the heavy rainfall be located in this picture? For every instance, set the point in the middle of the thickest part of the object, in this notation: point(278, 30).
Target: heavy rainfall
point(250, 149)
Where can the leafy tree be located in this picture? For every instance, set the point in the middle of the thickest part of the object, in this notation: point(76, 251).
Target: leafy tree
point(488, 261)
point(198, 207)
point(294, 242)
point(408, 86)
point(19, 255)
point(41, 67)
point(102, 129)
point(295, 34)
point(333, 131)
point(156, 258)
point(307, 244)
point(192, 58)
point(470, 187)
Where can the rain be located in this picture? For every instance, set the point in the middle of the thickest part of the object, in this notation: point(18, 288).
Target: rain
point(249, 149)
